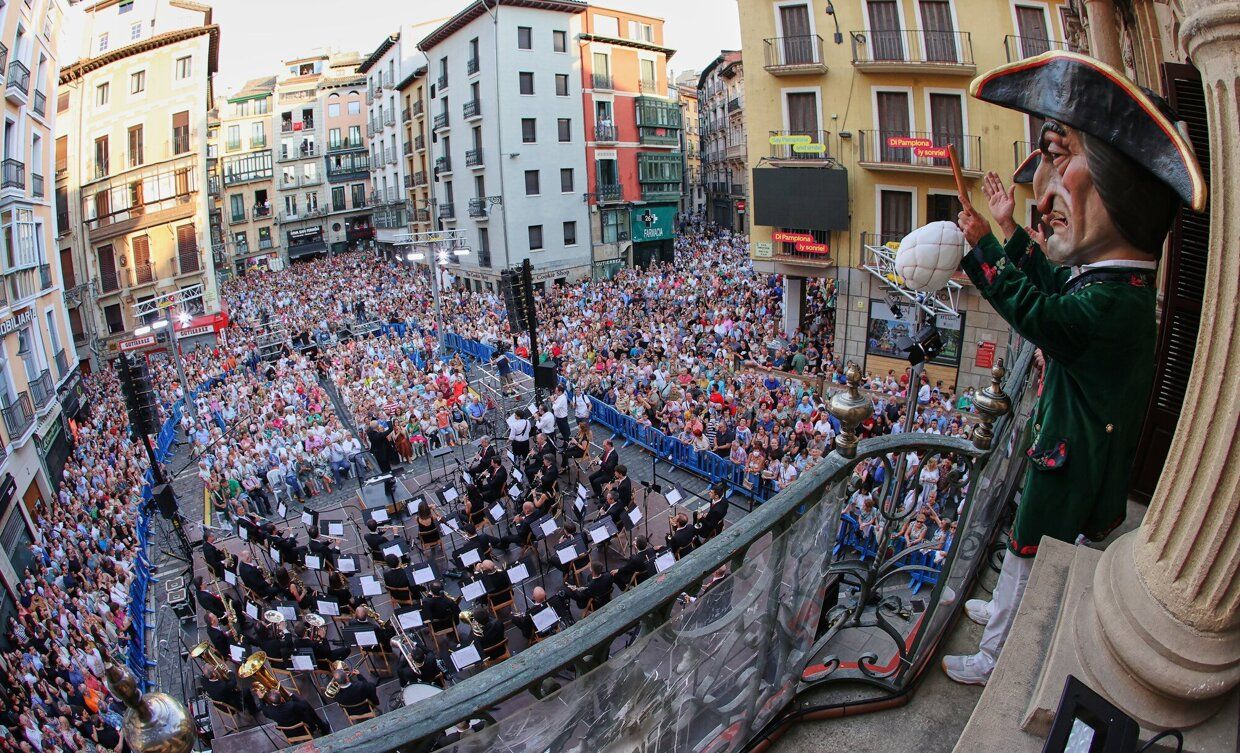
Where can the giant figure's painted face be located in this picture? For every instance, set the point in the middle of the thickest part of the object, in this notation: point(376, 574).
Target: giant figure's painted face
point(1077, 224)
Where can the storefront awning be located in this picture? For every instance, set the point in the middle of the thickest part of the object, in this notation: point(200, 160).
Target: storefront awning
point(306, 249)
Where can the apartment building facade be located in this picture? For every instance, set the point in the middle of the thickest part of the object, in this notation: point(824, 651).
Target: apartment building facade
point(721, 119)
point(342, 95)
point(831, 117)
point(693, 193)
point(394, 60)
point(240, 179)
point(635, 166)
point(508, 138)
point(39, 376)
point(132, 128)
point(414, 148)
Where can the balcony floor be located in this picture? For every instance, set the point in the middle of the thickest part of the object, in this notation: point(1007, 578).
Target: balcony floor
point(917, 66)
point(903, 167)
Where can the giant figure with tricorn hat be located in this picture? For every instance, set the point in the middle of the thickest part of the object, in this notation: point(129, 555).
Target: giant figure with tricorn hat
point(1113, 171)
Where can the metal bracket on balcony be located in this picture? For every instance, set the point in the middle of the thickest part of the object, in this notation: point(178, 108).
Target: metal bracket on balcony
point(880, 262)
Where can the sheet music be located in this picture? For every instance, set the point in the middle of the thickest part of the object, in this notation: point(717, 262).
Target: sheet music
point(236, 652)
point(518, 573)
point(473, 591)
point(230, 577)
point(567, 554)
point(415, 503)
point(313, 562)
point(370, 586)
point(470, 557)
point(673, 496)
point(518, 475)
point(282, 509)
point(423, 574)
point(347, 565)
point(335, 528)
point(450, 494)
point(580, 504)
point(466, 657)
point(664, 561)
point(453, 524)
point(289, 613)
point(303, 663)
point(497, 512)
point(243, 532)
point(544, 619)
point(514, 491)
point(511, 458)
point(273, 554)
point(466, 477)
point(582, 491)
point(252, 610)
point(410, 620)
point(635, 515)
point(599, 535)
point(532, 408)
point(393, 549)
point(380, 515)
point(328, 608)
point(549, 527)
point(366, 638)
point(307, 518)
point(444, 530)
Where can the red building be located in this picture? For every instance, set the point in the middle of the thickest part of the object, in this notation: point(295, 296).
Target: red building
point(632, 123)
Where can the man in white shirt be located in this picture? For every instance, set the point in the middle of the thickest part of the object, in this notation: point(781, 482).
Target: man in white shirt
point(559, 409)
point(546, 423)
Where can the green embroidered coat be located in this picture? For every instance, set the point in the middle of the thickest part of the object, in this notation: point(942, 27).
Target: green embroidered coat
point(1097, 334)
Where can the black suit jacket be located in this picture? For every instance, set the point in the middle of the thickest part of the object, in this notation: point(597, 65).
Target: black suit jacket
point(224, 691)
point(495, 485)
point(220, 639)
point(608, 463)
point(599, 589)
point(210, 602)
point(641, 564)
point(713, 518)
point(214, 558)
point(440, 610)
point(360, 691)
point(681, 542)
point(624, 490)
point(292, 711)
point(484, 460)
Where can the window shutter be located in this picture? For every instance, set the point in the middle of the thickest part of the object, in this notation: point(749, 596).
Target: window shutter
point(107, 269)
point(1184, 281)
point(187, 248)
point(141, 247)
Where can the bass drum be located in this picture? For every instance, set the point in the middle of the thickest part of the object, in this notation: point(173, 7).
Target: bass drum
point(411, 694)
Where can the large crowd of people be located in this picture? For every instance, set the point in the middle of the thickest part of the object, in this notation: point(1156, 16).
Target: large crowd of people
point(692, 348)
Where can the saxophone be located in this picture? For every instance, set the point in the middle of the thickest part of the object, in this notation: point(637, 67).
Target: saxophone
point(231, 614)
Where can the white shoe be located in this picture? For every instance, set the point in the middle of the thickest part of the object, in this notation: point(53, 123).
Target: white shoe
point(947, 596)
point(973, 669)
point(978, 611)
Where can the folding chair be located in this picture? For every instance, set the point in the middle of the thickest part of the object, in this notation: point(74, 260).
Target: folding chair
point(228, 716)
point(296, 733)
point(360, 712)
point(502, 600)
point(486, 652)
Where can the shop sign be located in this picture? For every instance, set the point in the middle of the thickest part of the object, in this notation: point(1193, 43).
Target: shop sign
point(13, 323)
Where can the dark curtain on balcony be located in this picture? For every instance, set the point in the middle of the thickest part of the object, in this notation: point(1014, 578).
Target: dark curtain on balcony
point(936, 24)
point(942, 207)
point(885, 41)
point(1034, 36)
point(893, 120)
point(798, 47)
point(802, 119)
point(947, 119)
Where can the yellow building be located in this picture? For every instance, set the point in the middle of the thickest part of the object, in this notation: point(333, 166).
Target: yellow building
point(413, 121)
point(39, 381)
point(240, 183)
point(132, 126)
point(861, 83)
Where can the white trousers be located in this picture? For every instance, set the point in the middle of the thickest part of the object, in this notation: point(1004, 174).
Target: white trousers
point(1003, 605)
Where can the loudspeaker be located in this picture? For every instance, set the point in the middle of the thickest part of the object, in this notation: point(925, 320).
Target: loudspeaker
point(544, 376)
point(165, 500)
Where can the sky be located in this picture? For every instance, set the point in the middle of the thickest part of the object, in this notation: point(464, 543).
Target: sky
point(255, 35)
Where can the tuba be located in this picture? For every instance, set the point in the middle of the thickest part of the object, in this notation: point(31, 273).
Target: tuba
point(333, 687)
point(207, 653)
point(256, 666)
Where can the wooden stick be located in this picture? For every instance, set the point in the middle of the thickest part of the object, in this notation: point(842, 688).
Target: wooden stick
point(961, 192)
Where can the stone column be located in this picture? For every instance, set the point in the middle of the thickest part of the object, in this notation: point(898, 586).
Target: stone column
point(1104, 37)
point(1161, 635)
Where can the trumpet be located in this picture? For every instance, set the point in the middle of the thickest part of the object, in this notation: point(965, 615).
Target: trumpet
point(264, 679)
point(207, 653)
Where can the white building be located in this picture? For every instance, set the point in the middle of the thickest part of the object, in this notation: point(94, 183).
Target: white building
point(507, 126)
point(391, 63)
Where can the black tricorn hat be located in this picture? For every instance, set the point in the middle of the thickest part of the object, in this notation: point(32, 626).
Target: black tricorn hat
point(1027, 167)
point(1092, 97)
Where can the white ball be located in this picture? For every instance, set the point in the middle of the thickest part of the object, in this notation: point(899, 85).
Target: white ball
point(930, 255)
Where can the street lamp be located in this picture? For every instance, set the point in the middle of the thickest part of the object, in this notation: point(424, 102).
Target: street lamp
point(444, 246)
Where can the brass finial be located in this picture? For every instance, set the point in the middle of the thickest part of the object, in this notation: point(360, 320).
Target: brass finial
point(850, 407)
point(991, 403)
point(154, 722)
